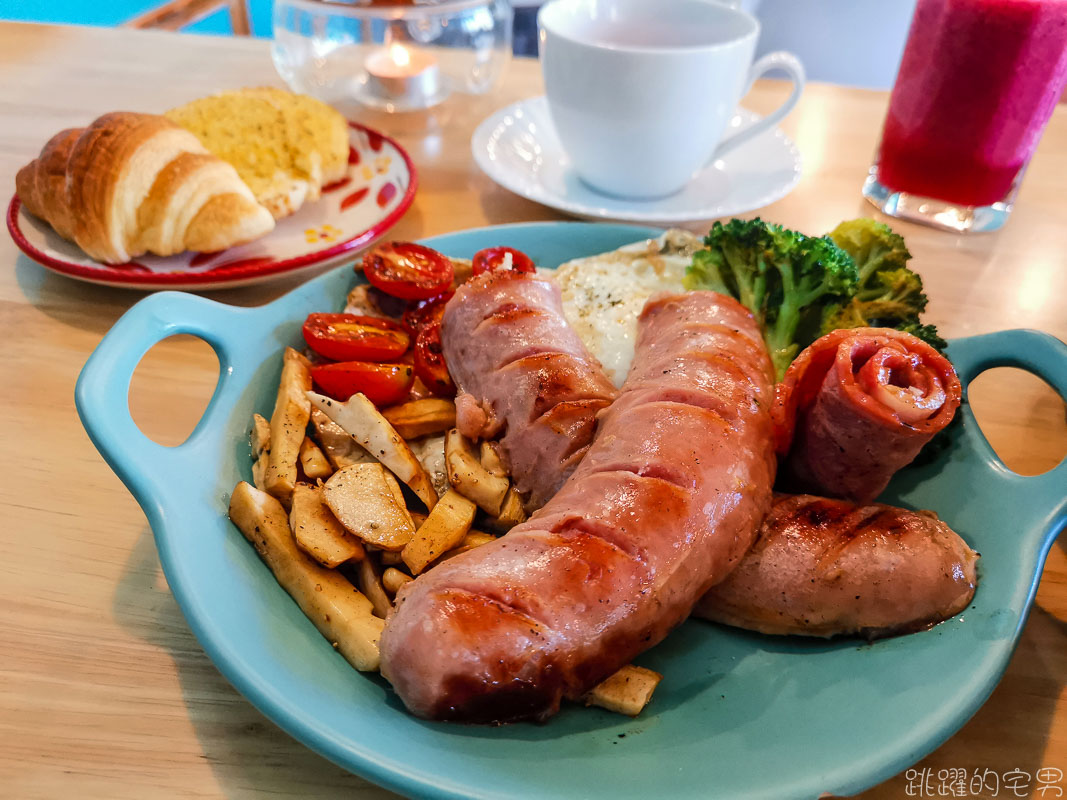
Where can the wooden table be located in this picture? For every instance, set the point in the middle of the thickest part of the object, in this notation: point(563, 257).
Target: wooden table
point(104, 693)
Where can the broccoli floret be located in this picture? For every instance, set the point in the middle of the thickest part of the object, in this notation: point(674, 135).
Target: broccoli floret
point(888, 295)
point(785, 278)
point(928, 333)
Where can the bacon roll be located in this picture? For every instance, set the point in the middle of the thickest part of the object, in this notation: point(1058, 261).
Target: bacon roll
point(859, 404)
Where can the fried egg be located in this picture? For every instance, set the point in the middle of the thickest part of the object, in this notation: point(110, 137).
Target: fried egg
point(603, 294)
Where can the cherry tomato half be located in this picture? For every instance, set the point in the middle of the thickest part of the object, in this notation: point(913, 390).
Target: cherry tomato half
point(348, 337)
point(419, 310)
point(407, 270)
point(383, 384)
point(430, 366)
point(493, 258)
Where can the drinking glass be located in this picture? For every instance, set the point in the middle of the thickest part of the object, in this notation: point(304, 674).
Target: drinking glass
point(977, 84)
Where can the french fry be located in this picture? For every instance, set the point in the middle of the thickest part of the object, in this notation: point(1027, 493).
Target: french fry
point(367, 501)
point(393, 579)
point(312, 460)
point(317, 531)
point(341, 613)
point(469, 542)
point(370, 583)
point(490, 459)
point(367, 426)
point(469, 477)
point(422, 417)
point(511, 512)
point(337, 443)
point(287, 425)
point(444, 528)
point(626, 692)
point(260, 440)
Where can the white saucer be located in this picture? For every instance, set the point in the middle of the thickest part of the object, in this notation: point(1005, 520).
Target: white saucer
point(517, 147)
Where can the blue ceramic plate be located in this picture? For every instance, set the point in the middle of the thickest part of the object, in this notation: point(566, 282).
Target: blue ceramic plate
point(736, 714)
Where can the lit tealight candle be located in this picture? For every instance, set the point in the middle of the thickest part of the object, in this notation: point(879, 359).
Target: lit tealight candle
point(403, 77)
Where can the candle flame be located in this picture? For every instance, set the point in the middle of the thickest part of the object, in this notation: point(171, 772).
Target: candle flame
point(401, 57)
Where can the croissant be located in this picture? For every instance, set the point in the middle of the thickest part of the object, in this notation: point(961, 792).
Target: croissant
point(131, 184)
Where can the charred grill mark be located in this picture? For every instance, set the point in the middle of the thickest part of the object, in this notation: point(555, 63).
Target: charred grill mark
point(576, 529)
point(557, 377)
point(820, 515)
point(576, 418)
point(652, 472)
point(478, 610)
point(510, 313)
point(852, 527)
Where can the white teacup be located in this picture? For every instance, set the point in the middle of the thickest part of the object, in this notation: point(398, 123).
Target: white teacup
point(641, 91)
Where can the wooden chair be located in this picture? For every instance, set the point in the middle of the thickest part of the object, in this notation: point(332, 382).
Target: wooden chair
point(176, 14)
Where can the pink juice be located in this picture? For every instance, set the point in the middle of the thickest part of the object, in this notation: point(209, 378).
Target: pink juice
point(977, 84)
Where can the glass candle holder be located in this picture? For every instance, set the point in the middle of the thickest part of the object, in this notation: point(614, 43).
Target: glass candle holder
point(977, 84)
point(392, 55)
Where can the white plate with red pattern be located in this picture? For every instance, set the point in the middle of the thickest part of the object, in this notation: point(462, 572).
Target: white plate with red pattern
point(352, 213)
point(518, 148)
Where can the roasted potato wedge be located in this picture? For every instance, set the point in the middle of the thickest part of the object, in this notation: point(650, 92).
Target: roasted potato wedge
point(337, 443)
point(370, 583)
point(367, 501)
point(366, 301)
point(393, 579)
point(469, 542)
point(469, 477)
point(367, 426)
point(287, 425)
point(444, 528)
point(490, 459)
point(260, 440)
point(462, 269)
point(312, 460)
point(430, 451)
point(422, 417)
point(511, 513)
point(317, 531)
point(341, 613)
point(626, 692)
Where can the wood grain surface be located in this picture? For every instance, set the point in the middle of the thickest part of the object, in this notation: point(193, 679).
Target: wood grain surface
point(104, 692)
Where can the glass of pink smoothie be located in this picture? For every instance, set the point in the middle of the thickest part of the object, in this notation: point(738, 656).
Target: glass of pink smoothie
point(977, 84)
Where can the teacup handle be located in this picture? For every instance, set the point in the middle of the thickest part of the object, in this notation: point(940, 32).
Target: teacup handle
point(779, 59)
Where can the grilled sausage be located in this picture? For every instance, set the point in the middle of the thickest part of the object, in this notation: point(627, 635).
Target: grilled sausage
point(827, 567)
point(665, 503)
point(523, 372)
point(859, 404)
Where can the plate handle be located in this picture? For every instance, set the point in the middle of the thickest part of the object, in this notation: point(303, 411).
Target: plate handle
point(102, 392)
point(1038, 353)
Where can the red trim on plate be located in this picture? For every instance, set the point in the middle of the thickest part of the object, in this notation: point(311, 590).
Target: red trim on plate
point(121, 276)
point(202, 258)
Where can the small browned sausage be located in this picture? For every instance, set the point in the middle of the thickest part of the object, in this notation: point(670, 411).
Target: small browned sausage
point(827, 567)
